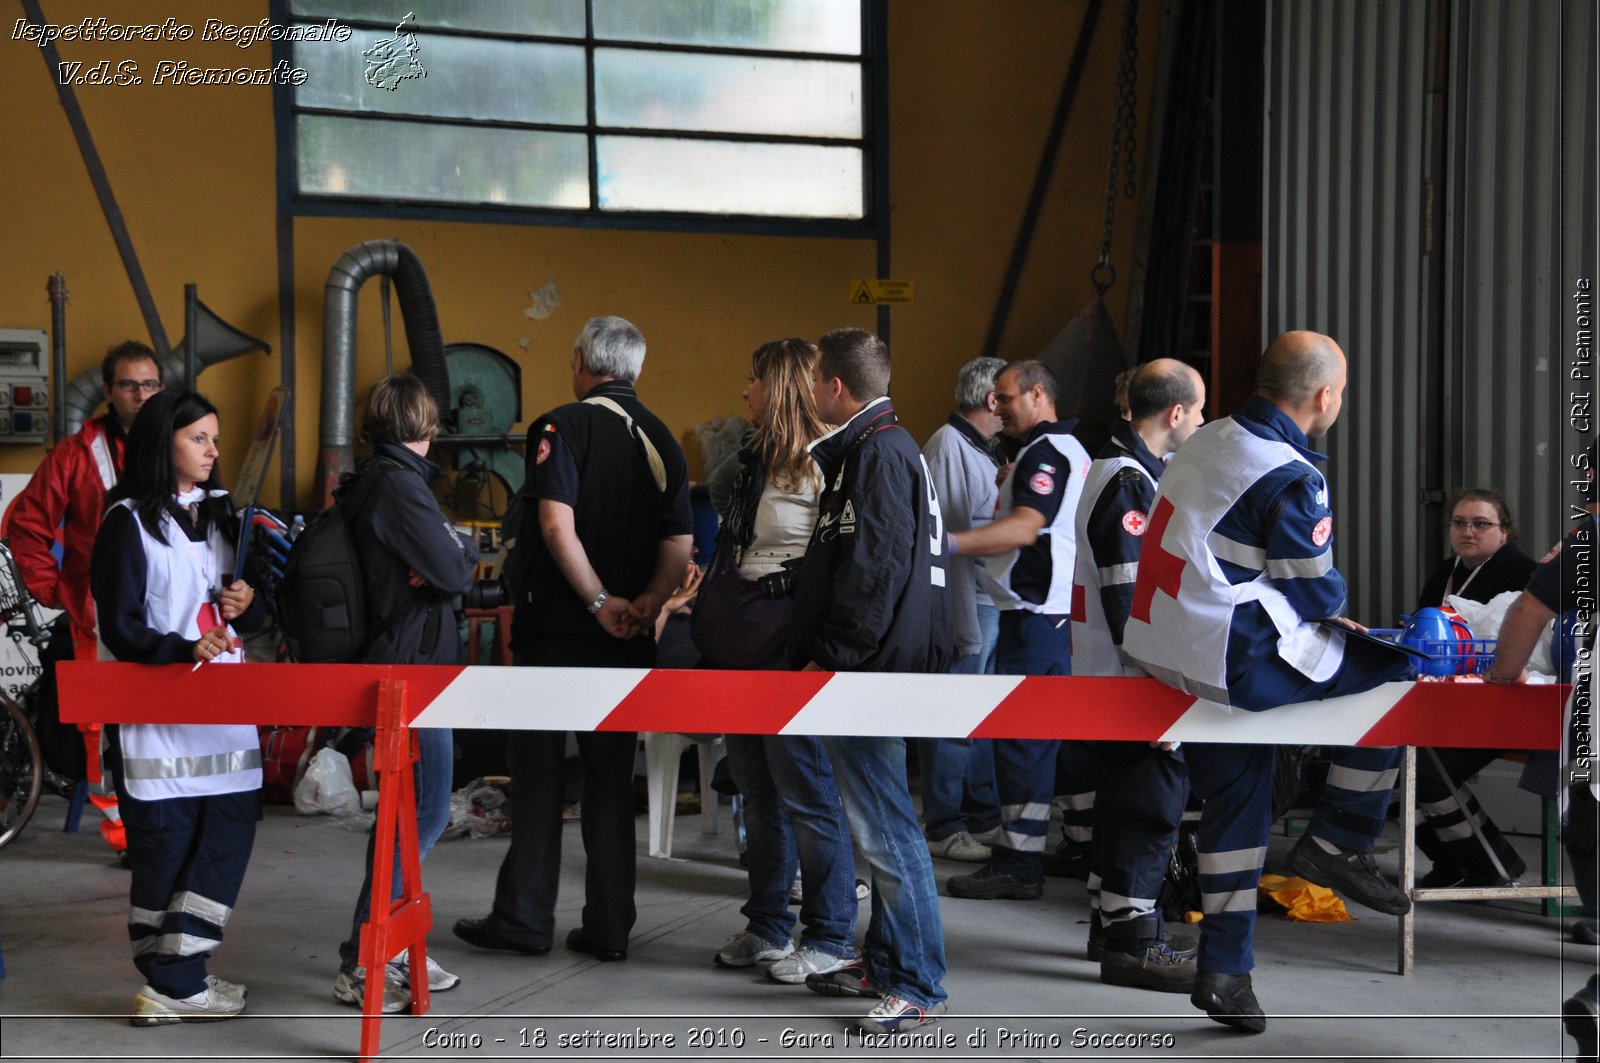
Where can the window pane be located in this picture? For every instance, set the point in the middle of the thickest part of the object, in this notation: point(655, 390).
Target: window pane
point(783, 25)
point(466, 78)
point(718, 177)
point(456, 164)
point(563, 18)
point(726, 93)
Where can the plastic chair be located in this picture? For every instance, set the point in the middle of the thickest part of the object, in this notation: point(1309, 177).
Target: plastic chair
point(663, 752)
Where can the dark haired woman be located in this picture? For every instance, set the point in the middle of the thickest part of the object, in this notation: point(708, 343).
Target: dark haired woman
point(414, 565)
point(1485, 561)
point(190, 793)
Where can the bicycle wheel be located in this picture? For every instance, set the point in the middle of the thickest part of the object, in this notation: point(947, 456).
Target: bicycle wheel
point(21, 770)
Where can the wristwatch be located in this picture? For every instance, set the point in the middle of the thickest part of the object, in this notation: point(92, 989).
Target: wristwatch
point(599, 600)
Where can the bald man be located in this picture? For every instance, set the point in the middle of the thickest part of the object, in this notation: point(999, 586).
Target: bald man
point(1235, 577)
point(1143, 790)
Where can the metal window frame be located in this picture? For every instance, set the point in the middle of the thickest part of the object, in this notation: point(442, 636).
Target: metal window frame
point(873, 143)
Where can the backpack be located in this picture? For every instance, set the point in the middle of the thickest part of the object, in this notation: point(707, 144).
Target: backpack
point(516, 562)
point(322, 599)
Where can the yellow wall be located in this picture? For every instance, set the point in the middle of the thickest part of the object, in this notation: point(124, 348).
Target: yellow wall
point(972, 90)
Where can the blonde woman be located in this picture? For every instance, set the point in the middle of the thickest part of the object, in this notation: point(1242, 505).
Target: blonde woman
point(793, 810)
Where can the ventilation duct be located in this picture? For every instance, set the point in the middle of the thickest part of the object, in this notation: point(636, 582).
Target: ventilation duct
point(336, 434)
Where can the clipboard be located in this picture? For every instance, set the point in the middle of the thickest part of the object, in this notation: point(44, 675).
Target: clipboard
point(1362, 636)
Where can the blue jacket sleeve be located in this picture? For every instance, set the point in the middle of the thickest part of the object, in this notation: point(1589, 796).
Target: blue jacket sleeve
point(1114, 548)
point(407, 522)
point(1300, 549)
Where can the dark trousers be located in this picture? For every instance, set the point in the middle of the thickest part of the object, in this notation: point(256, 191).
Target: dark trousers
point(530, 876)
point(1581, 835)
point(1137, 813)
point(188, 857)
point(1235, 784)
point(1445, 833)
point(1025, 769)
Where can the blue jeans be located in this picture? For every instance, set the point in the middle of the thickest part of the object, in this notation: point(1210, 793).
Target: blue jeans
point(793, 812)
point(904, 948)
point(958, 773)
point(982, 662)
point(432, 772)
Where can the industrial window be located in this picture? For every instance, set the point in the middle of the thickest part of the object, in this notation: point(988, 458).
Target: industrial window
point(717, 109)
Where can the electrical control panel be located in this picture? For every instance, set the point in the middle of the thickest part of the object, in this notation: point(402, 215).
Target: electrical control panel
point(24, 386)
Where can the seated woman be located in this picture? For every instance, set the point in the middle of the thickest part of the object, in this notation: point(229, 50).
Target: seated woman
point(1485, 562)
point(190, 793)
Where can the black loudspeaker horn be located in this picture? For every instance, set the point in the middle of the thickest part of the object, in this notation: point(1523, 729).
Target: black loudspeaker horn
point(215, 341)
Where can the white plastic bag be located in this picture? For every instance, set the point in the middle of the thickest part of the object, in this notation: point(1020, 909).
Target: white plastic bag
point(327, 786)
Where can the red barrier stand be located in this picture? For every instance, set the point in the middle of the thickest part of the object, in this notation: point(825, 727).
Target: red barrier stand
point(404, 922)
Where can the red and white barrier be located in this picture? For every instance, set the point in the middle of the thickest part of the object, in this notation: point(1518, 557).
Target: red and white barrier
point(1467, 714)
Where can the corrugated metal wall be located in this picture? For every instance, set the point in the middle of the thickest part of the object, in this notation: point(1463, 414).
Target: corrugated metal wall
point(1519, 226)
point(1455, 322)
point(1342, 254)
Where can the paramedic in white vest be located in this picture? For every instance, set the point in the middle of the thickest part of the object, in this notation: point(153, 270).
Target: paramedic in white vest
point(190, 793)
point(1139, 803)
point(65, 500)
point(1029, 550)
point(1235, 574)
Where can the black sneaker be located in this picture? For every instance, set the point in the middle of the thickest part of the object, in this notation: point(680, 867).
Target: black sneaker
point(1156, 966)
point(1585, 932)
point(989, 883)
point(851, 980)
point(1579, 1014)
point(1350, 872)
point(1070, 860)
point(1228, 999)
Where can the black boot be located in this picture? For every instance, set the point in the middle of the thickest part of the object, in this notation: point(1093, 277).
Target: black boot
point(1228, 999)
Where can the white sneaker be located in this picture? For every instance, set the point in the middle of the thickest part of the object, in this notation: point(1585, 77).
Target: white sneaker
point(151, 1008)
point(351, 986)
point(439, 979)
point(793, 969)
point(960, 846)
point(227, 988)
point(892, 1015)
point(863, 889)
point(746, 949)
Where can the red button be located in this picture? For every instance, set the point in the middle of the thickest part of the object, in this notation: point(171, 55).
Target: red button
point(22, 395)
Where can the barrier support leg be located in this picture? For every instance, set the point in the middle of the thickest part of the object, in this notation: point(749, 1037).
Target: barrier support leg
point(1408, 859)
point(401, 924)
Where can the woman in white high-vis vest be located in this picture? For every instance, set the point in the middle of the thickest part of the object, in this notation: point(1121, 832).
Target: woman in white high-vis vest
point(190, 793)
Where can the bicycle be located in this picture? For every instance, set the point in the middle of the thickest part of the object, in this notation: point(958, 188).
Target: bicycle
point(22, 768)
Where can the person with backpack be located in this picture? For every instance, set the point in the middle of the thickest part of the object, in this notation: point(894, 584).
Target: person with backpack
point(609, 531)
point(413, 566)
point(190, 794)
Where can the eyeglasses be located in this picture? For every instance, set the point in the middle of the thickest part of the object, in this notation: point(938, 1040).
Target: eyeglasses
point(128, 387)
point(1479, 526)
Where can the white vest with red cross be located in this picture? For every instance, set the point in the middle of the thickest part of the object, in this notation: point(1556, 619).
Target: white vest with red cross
point(1183, 606)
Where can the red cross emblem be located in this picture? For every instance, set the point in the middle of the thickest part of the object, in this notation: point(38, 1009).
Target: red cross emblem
point(1133, 522)
point(1158, 570)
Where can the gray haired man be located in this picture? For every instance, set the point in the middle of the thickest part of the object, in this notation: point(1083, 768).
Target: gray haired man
point(963, 458)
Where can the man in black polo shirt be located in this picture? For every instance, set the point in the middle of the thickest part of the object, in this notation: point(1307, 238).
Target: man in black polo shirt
point(614, 534)
point(1563, 583)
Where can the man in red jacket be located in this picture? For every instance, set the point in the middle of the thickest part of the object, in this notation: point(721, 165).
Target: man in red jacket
point(63, 502)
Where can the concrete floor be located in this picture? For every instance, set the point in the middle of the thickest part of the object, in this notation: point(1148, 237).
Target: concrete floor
point(1489, 984)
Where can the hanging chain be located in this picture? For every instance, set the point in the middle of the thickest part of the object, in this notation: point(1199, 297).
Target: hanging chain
point(1123, 138)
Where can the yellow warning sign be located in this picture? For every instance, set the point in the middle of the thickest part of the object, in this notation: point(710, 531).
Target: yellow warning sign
point(871, 292)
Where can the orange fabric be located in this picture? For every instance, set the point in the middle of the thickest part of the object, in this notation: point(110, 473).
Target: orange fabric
point(1303, 901)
